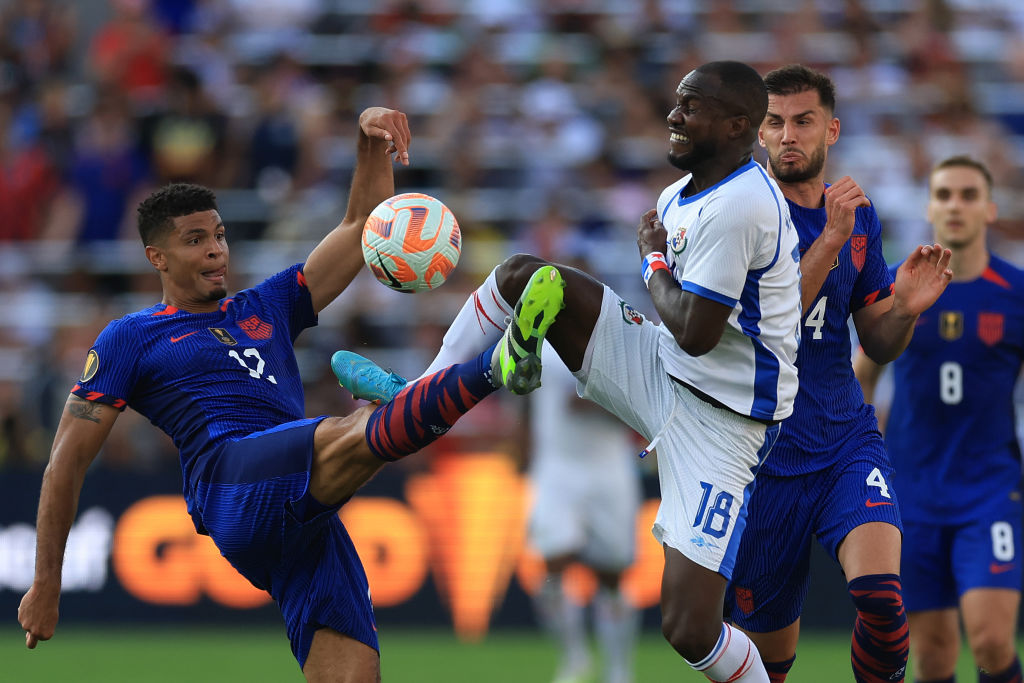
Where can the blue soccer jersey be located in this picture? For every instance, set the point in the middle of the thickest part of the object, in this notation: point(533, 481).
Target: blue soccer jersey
point(951, 426)
point(829, 410)
point(205, 378)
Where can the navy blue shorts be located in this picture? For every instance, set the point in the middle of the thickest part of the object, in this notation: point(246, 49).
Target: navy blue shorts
point(253, 500)
point(942, 561)
point(770, 580)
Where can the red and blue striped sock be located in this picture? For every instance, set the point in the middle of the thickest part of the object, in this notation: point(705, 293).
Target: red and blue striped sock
point(1011, 674)
point(426, 409)
point(880, 636)
point(777, 671)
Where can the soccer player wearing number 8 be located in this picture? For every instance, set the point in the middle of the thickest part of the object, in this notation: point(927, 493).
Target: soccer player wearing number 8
point(951, 438)
point(828, 475)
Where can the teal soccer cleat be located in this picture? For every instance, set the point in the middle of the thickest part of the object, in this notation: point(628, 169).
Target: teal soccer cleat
point(364, 378)
point(519, 350)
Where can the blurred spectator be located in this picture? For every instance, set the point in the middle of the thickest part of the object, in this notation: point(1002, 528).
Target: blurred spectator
point(28, 181)
point(130, 52)
point(186, 140)
point(107, 174)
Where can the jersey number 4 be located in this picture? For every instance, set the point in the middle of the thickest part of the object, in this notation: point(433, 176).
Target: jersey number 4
point(254, 372)
point(816, 318)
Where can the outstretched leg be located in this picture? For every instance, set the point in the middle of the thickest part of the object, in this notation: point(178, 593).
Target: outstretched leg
point(483, 318)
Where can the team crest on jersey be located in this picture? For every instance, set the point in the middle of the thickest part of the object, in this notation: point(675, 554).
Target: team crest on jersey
point(858, 250)
point(630, 314)
point(92, 365)
point(678, 242)
point(745, 599)
point(222, 335)
point(256, 328)
point(951, 325)
point(990, 328)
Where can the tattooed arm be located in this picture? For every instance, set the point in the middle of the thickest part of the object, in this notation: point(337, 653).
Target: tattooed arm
point(83, 428)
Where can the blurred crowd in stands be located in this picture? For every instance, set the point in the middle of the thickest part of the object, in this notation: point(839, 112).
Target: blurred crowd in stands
point(540, 122)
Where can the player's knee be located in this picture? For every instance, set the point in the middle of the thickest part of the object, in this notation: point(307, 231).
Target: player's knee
point(688, 635)
point(992, 651)
point(514, 272)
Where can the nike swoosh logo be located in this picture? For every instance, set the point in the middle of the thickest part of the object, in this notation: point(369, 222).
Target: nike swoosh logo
point(873, 504)
point(394, 280)
point(178, 339)
point(996, 568)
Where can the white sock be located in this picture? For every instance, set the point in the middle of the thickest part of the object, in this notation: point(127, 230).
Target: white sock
point(480, 323)
point(734, 659)
point(615, 622)
point(563, 619)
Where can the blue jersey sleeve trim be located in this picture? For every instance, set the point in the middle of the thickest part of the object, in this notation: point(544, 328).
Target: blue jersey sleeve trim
point(709, 294)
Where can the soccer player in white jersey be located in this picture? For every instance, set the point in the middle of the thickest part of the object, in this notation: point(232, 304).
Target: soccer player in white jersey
point(586, 493)
point(708, 385)
point(828, 476)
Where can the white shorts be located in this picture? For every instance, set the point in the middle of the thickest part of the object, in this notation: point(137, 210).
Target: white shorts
point(707, 456)
point(585, 511)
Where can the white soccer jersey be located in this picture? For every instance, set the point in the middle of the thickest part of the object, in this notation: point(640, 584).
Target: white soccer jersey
point(734, 243)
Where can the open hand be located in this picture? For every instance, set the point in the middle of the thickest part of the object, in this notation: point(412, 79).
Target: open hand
point(390, 125)
point(922, 279)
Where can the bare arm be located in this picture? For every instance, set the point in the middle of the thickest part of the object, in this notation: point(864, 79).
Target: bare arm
point(867, 372)
point(695, 322)
point(338, 258)
point(841, 202)
point(886, 327)
point(83, 428)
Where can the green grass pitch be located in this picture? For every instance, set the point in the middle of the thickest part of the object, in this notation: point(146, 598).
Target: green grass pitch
point(155, 655)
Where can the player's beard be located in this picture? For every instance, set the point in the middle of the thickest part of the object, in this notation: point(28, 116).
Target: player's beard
point(792, 174)
point(698, 154)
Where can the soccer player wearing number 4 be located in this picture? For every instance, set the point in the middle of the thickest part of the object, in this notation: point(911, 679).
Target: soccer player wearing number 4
point(951, 438)
point(219, 376)
point(828, 475)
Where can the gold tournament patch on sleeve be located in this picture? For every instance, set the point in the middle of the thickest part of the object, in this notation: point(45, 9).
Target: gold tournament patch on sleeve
point(222, 335)
point(92, 364)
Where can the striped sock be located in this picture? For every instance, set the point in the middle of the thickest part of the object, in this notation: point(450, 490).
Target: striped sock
point(426, 409)
point(880, 636)
point(777, 671)
point(1011, 674)
point(733, 660)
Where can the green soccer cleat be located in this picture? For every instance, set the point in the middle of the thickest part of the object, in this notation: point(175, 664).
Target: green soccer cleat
point(519, 351)
point(364, 378)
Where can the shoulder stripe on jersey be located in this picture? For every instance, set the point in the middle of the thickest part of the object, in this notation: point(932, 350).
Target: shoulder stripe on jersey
point(170, 310)
point(300, 277)
point(224, 305)
point(995, 278)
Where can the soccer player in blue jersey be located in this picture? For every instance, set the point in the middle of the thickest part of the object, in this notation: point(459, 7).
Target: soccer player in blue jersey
point(219, 376)
point(951, 438)
point(828, 475)
point(710, 384)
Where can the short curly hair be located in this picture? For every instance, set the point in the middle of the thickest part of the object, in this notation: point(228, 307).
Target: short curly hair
point(158, 210)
